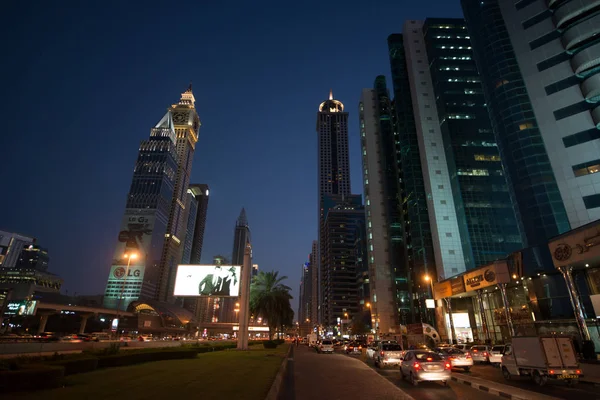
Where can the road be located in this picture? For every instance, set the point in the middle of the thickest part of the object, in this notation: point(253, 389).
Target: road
point(313, 376)
point(582, 391)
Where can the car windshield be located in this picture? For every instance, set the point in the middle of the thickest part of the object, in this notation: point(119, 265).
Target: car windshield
point(327, 342)
point(392, 347)
point(427, 357)
point(452, 351)
point(498, 348)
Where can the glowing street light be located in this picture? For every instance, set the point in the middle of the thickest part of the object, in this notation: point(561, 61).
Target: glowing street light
point(129, 257)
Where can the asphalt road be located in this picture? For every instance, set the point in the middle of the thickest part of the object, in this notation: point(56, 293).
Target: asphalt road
point(583, 391)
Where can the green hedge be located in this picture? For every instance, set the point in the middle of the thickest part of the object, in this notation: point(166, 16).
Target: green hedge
point(279, 341)
point(31, 377)
point(269, 344)
point(119, 360)
point(77, 366)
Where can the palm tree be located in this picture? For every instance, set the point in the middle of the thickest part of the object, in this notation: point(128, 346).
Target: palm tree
point(270, 299)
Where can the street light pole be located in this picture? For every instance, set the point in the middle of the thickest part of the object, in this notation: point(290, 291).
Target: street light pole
point(129, 258)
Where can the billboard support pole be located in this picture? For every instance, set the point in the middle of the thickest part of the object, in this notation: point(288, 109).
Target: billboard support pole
point(244, 319)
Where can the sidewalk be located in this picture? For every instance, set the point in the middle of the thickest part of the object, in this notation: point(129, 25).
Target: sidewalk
point(313, 376)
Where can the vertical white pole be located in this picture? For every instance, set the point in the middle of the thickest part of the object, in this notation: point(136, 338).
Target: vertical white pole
point(244, 319)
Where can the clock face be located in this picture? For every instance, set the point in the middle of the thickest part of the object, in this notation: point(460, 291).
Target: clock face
point(179, 117)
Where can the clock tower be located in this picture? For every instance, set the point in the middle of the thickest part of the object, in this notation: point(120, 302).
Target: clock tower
point(186, 124)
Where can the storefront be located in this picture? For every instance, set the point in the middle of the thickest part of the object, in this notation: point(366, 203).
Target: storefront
point(527, 294)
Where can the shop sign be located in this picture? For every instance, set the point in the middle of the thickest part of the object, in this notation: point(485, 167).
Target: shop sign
point(576, 247)
point(441, 290)
point(458, 285)
point(487, 276)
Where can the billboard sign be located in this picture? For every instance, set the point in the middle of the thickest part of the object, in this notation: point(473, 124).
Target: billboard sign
point(487, 276)
point(135, 235)
point(208, 280)
point(134, 274)
point(24, 307)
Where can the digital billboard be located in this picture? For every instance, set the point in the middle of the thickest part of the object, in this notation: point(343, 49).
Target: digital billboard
point(23, 307)
point(208, 280)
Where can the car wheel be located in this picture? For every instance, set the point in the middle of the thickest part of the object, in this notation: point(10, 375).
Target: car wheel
point(445, 383)
point(467, 369)
point(506, 373)
point(379, 365)
point(402, 374)
point(538, 379)
point(413, 380)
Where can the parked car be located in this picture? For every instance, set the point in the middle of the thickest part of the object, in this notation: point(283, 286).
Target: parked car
point(353, 348)
point(326, 346)
point(496, 354)
point(388, 354)
point(480, 353)
point(457, 358)
point(418, 365)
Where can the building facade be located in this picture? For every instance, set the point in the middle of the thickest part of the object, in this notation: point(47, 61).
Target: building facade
point(543, 56)
point(343, 215)
point(201, 193)
point(186, 124)
point(333, 168)
point(313, 260)
point(11, 245)
point(304, 294)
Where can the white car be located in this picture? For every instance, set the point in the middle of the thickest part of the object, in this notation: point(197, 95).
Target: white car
point(457, 358)
point(372, 350)
point(326, 346)
point(496, 354)
point(480, 353)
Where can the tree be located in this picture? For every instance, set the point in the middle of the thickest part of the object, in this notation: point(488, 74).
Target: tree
point(270, 299)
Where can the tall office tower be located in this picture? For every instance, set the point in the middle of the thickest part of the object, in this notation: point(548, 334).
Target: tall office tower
point(343, 215)
point(388, 277)
point(362, 274)
point(144, 224)
point(420, 259)
point(11, 245)
point(304, 295)
point(197, 198)
point(186, 124)
point(470, 212)
point(334, 167)
point(201, 192)
point(313, 260)
point(240, 239)
point(191, 209)
point(539, 63)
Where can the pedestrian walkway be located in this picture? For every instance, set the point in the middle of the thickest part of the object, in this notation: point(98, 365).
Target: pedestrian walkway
point(313, 376)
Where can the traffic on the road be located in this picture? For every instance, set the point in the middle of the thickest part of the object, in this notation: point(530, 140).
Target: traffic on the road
point(552, 367)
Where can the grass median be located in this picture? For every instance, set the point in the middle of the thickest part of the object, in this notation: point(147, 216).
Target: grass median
point(230, 374)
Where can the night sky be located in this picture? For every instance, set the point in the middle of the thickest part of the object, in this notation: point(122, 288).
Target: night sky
point(83, 85)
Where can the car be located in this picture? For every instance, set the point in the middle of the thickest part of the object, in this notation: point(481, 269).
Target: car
point(353, 348)
point(326, 346)
point(463, 347)
point(388, 354)
point(496, 353)
point(457, 358)
point(480, 353)
point(372, 349)
point(419, 365)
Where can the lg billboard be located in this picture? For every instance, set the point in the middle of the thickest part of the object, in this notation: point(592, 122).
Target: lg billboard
point(208, 280)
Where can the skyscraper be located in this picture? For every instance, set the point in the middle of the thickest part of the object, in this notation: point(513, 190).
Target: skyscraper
point(191, 209)
point(539, 64)
point(314, 277)
point(11, 245)
point(385, 244)
point(344, 214)
point(186, 125)
point(201, 193)
point(144, 224)
point(304, 295)
point(333, 163)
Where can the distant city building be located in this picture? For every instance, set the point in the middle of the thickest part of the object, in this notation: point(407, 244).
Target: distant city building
point(11, 245)
point(343, 215)
point(191, 209)
point(201, 193)
point(33, 257)
point(333, 167)
point(155, 202)
point(304, 296)
point(314, 288)
point(254, 270)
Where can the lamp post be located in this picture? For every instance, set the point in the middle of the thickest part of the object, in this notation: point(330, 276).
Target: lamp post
point(129, 257)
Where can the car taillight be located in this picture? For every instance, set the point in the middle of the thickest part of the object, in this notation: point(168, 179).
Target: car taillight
point(551, 372)
point(452, 358)
point(429, 359)
point(417, 366)
point(578, 372)
point(382, 353)
point(468, 355)
point(484, 353)
point(474, 351)
point(448, 366)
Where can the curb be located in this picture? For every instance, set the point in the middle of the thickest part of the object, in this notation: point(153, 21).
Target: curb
point(489, 390)
point(277, 385)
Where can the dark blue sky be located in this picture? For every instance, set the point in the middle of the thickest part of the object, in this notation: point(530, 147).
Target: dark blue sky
point(83, 85)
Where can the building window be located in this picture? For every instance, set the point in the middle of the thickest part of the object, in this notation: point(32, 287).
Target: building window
point(525, 125)
point(440, 186)
point(438, 172)
point(433, 144)
point(436, 157)
point(448, 234)
point(590, 167)
point(446, 218)
point(487, 157)
point(451, 252)
point(592, 201)
point(473, 172)
point(501, 83)
point(442, 201)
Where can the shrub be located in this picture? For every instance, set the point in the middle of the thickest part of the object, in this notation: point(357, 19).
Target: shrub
point(269, 344)
point(31, 377)
point(77, 366)
point(119, 360)
point(279, 341)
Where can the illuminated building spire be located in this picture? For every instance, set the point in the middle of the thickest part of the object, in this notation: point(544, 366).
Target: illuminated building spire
point(330, 94)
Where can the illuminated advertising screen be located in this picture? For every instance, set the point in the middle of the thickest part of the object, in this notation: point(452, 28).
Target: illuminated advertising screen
point(208, 280)
point(23, 307)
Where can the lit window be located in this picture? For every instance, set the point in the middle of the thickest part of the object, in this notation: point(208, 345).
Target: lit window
point(487, 157)
point(501, 83)
point(526, 125)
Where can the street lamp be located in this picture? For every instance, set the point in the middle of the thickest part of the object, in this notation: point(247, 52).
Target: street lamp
point(129, 257)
